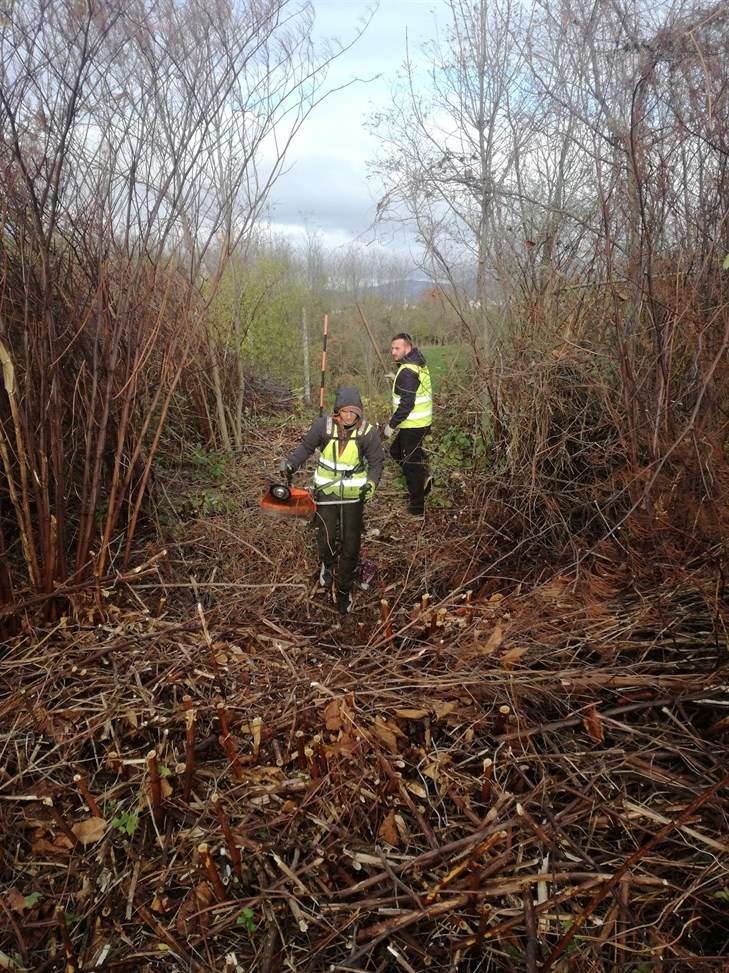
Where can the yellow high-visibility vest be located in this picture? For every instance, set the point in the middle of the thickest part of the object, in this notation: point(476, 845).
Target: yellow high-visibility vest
point(338, 478)
point(422, 412)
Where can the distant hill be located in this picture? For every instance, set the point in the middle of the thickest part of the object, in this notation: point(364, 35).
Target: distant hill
point(408, 289)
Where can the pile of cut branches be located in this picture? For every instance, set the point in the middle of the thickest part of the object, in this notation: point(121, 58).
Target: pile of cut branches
point(484, 771)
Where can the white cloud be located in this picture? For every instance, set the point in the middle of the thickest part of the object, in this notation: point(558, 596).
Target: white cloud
point(328, 186)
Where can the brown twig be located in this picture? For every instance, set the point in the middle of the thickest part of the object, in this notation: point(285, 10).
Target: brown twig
point(386, 620)
point(66, 940)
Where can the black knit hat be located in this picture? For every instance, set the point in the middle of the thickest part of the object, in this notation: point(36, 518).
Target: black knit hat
point(348, 397)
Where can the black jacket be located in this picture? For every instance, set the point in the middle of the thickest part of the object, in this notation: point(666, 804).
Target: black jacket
point(406, 386)
point(317, 436)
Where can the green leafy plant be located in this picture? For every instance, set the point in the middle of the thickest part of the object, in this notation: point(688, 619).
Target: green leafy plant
point(211, 463)
point(459, 447)
point(32, 899)
point(214, 503)
point(247, 920)
point(126, 823)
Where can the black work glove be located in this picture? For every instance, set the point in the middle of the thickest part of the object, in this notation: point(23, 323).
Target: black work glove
point(367, 492)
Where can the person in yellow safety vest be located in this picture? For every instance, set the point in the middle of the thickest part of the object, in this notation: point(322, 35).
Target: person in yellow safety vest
point(348, 470)
point(412, 416)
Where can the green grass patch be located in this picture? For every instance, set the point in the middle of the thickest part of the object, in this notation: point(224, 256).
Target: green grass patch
point(445, 361)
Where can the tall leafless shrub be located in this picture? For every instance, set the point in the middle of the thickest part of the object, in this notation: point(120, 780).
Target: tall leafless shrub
point(598, 215)
point(139, 142)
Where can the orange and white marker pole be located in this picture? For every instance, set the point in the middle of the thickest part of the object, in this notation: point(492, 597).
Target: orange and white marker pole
point(323, 364)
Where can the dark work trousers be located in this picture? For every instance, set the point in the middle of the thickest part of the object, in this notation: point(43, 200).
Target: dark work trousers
point(407, 450)
point(339, 527)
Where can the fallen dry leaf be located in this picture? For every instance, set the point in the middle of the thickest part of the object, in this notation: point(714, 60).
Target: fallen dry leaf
point(332, 715)
point(89, 830)
point(435, 767)
point(512, 656)
point(592, 722)
point(159, 903)
point(412, 714)
point(266, 774)
point(495, 640)
point(59, 846)
point(553, 589)
point(196, 900)
point(402, 829)
point(417, 789)
point(345, 745)
point(388, 830)
point(16, 900)
point(386, 736)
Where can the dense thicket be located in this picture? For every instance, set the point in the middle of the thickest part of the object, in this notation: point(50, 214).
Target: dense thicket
point(136, 153)
point(566, 169)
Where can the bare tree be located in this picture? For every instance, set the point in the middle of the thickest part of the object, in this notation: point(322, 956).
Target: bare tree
point(450, 148)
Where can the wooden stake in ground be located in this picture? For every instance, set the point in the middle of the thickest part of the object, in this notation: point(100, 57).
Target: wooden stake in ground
point(235, 859)
point(226, 741)
point(301, 751)
point(83, 789)
point(189, 747)
point(487, 777)
point(212, 872)
point(67, 944)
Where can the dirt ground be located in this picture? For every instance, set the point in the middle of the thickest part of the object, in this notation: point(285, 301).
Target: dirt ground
point(493, 764)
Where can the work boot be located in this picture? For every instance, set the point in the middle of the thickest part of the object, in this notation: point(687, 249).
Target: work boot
point(416, 511)
point(344, 602)
point(366, 574)
point(325, 577)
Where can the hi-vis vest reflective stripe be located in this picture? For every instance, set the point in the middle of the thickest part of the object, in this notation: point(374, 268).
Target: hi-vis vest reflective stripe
point(421, 414)
point(341, 477)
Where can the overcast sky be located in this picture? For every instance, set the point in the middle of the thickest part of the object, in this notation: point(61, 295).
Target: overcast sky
point(327, 186)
